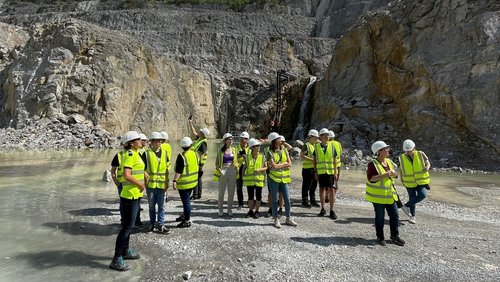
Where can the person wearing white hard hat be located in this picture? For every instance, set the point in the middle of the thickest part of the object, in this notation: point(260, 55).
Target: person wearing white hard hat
point(226, 168)
point(157, 167)
point(166, 146)
point(279, 178)
point(414, 170)
point(309, 182)
point(243, 150)
point(117, 169)
point(200, 146)
point(325, 173)
point(142, 154)
point(254, 171)
point(186, 179)
point(338, 153)
point(133, 187)
point(380, 191)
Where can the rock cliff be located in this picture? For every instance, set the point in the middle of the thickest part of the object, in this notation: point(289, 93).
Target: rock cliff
point(425, 70)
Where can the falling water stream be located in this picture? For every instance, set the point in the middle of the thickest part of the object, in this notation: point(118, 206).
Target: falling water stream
point(299, 131)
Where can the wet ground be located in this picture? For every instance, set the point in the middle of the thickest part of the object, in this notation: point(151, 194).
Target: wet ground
point(59, 222)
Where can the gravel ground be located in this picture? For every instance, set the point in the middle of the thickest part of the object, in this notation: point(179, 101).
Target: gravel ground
point(449, 242)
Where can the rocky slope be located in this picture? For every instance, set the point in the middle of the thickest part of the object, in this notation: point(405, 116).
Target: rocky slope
point(426, 70)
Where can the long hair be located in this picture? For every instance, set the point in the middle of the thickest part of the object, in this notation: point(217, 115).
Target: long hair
point(273, 144)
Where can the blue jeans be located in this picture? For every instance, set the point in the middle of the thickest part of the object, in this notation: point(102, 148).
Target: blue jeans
point(129, 209)
point(416, 196)
point(156, 196)
point(276, 188)
point(392, 211)
point(186, 202)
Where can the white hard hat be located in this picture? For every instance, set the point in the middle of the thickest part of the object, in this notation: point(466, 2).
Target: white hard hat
point(331, 134)
point(205, 131)
point(156, 136)
point(253, 142)
point(313, 132)
point(272, 136)
point(129, 136)
point(324, 131)
point(227, 135)
point(186, 142)
point(143, 136)
point(164, 134)
point(408, 145)
point(244, 134)
point(377, 146)
point(282, 138)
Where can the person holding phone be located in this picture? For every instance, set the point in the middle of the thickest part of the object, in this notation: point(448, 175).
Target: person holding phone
point(243, 150)
point(199, 146)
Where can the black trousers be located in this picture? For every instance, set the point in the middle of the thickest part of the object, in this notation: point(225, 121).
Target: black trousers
point(198, 189)
point(309, 184)
point(239, 187)
point(129, 210)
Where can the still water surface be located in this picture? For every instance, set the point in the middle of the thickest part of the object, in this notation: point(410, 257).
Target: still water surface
point(44, 195)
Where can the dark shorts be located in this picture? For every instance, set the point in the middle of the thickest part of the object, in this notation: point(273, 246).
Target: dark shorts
point(326, 181)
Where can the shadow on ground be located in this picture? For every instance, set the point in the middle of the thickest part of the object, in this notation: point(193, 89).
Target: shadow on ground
point(228, 223)
point(49, 259)
point(84, 228)
point(94, 212)
point(328, 241)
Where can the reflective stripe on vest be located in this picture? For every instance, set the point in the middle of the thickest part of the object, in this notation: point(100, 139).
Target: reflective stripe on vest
point(310, 151)
point(130, 190)
point(251, 164)
point(189, 176)
point(280, 175)
point(382, 191)
point(157, 171)
point(324, 160)
point(166, 147)
point(338, 151)
point(414, 173)
point(119, 169)
point(195, 148)
point(218, 163)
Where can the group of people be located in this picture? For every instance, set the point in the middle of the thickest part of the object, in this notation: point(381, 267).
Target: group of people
point(138, 168)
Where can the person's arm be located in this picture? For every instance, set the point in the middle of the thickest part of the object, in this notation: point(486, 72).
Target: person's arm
point(287, 146)
point(191, 128)
point(179, 167)
point(113, 175)
point(427, 164)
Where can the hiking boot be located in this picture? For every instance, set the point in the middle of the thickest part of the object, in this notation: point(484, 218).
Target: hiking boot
point(164, 229)
point(406, 210)
point(184, 224)
point(306, 205)
point(315, 204)
point(131, 254)
point(180, 218)
point(381, 241)
point(280, 213)
point(256, 215)
point(412, 220)
point(277, 223)
point(151, 228)
point(290, 222)
point(249, 214)
point(118, 264)
point(398, 241)
point(322, 212)
point(333, 215)
point(139, 225)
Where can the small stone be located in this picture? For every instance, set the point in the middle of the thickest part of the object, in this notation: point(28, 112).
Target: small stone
point(239, 259)
point(186, 275)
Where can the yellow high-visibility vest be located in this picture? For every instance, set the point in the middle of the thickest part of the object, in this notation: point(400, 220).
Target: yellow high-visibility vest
point(251, 164)
point(189, 176)
point(310, 152)
point(241, 160)
point(338, 152)
point(133, 160)
point(280, 175)
point(413, 173)
point(157, 168)
point(324, 160)
point(197, 144)
point(218, 163)
point(168, 149)
point(382, 191)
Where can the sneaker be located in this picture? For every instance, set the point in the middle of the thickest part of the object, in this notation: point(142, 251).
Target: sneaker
point(412, 220)
point(306, 205)
point(269, 213)
point(406, 210)
point(139, 225)
point(315, 204)
point(398, 241)
point(322, 212)
point(164, 229)
point(180, 218)
point(290, 222)
point(151, 228)
point(131, 254)
point(381, 242)
point(249, 214)
point(230, 212)
point(280, 213)
point(277, 223)
point(256, 215)
point(333, 215)
point(239, 207)
point(118, 264)
point(184, 224)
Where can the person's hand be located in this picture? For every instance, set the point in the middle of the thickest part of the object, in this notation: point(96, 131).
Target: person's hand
point(142, 187)
point(174, 185)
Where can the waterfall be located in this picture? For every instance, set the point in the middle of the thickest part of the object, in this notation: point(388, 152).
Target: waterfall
point(299, 131)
